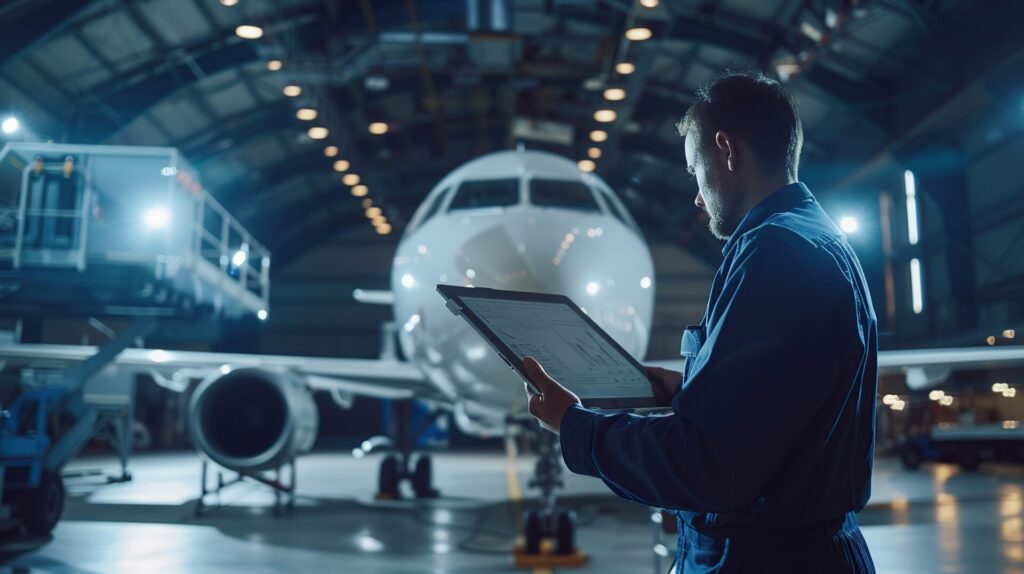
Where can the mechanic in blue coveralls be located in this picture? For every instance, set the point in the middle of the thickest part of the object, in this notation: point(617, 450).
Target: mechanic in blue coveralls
point(767, 453)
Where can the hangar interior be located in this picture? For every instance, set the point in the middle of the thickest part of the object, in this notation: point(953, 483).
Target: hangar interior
point(314, 134)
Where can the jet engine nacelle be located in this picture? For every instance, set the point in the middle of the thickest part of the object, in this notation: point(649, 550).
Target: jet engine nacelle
point(251, 419)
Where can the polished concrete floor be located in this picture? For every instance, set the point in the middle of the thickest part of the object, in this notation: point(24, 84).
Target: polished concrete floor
point(936, 520)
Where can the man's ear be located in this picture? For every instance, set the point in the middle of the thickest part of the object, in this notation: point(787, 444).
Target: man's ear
point(725, 143)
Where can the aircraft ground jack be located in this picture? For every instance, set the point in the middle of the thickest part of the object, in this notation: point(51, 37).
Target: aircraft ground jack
point(284, 492)
point(549, 532)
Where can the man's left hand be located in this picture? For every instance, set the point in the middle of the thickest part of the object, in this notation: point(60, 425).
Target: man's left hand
point(554, 400)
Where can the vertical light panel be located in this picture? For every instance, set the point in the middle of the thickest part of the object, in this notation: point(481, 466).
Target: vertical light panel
point(910, 185)
point(917, 297)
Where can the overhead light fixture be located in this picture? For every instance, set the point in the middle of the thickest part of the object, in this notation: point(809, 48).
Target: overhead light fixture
point(228, 2)
point(331, 151)
point(1009, 333)
point(275, 65)
point(787, 70)
point(991, 340)
point(378, 128)
point(917, 297)
point(239, 258)
point(292, 91)
point(249, 32)
point(910, 189)
point(372, 212)
point(649, 3)
point(360, 191)
point(318, 133)
point(638, 34)
point(383, 229)
point(625, 68)
point(598, 136)
point(811, 31)
point(306, 114)
point(341, 165)
point(586, 165)
point(605, 116)
point(350, 179)
point(614, 94)
point(262, 314)
point(379, 220)
point(594, 153)
point(10, 125)
point(366, 202)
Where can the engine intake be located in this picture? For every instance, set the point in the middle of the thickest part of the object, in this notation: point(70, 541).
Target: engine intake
point(251, 419)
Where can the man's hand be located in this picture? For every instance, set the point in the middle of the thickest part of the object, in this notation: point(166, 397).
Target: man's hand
point(664, 383)
point(548, 407)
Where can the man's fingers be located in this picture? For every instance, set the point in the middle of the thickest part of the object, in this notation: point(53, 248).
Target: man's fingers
point(537, 375)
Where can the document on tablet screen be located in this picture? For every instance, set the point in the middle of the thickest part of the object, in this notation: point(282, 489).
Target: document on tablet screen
point(568, 348)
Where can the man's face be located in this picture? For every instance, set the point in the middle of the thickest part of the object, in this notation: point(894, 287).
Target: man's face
point(716, 188)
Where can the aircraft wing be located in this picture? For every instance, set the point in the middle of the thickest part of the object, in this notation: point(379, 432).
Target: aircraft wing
point(927, 367)
point(383, 378)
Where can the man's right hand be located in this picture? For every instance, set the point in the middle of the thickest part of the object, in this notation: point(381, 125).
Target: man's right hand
point(664, 382)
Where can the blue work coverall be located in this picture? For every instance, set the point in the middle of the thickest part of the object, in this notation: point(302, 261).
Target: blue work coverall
point(768, 451)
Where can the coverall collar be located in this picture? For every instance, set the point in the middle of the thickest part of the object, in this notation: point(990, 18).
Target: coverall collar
point(782, 199)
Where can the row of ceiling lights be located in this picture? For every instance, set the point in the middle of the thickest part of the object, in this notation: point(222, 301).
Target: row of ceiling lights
point(308, 114)
point(606, 114)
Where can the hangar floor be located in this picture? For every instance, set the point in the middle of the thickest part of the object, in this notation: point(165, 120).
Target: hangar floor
point(939, 519)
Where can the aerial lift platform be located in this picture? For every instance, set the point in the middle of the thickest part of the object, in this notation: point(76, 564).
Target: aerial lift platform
point(103, 231)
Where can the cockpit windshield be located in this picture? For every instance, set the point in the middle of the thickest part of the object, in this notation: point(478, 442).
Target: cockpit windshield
point(486, 193)
point(564, 194)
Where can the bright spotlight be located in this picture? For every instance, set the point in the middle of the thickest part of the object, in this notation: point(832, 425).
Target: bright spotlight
point(249, 32)
point(238, 259)
point(638, 34)
point(593, 288)
point(848, 224)
point(262, 314)
point(408, 281)
point(10, 125)
point(157, 218)
point(586, 165)
point(645, 283)
point(378, 128)
point(625, 68)
point(350, 179)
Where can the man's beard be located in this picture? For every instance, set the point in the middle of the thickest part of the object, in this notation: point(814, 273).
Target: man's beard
point(723, 221)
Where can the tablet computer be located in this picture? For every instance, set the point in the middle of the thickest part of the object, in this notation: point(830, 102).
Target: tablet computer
point(573, 349)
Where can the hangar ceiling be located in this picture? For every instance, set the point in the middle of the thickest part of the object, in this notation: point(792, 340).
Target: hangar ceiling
point(453, 79)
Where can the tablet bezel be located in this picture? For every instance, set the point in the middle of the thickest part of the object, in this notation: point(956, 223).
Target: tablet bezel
point(453, 300)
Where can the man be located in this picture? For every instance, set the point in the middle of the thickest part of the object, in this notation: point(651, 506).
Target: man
point(767, 453)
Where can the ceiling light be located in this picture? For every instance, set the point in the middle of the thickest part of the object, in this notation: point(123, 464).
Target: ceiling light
point(605, 115)
point(372, 212)
point(341, 165)
point(379, 220)
point(350, 179)
point(275, 65)
point(991, 340)
point(306, 114)
point(249, 32)
point(10, 125)
point(378, 128)
point(614, 94)
point(366, 202)
point(317, 132)
point(594, 153)
point(625, 68)
point(360, 190)
point(638, 34)
point(586, 165)
point(383, 229)
point(331, 151)
point(292, 91)
point(262, 313)
point(649, 3)
point(228, 2)
point(157, 217)
point(598, 135)
point(1009, 333)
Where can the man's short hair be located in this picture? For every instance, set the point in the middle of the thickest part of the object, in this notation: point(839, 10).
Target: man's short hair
point(751, 107)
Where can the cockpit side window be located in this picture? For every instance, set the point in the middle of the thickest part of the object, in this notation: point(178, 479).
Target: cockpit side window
point(430, 208)
point(564, 194)
point(486, 193)
point(617, 209)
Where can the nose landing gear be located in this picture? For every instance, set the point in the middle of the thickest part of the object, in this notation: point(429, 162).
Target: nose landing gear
point(549, 532)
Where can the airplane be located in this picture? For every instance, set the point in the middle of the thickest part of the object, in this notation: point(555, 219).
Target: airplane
point(518, 220)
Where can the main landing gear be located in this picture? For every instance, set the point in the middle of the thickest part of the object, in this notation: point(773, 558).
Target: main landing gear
point(402, 462)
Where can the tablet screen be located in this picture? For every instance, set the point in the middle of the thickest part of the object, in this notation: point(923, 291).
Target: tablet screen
point(568, 348)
